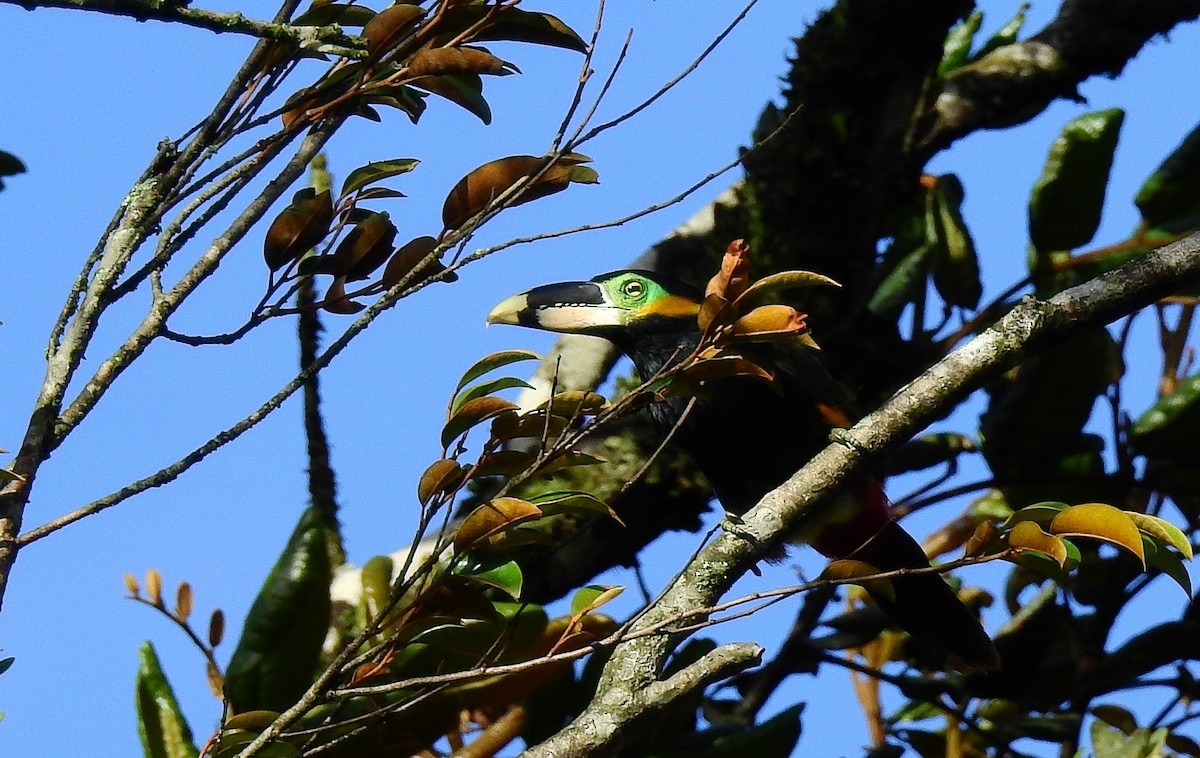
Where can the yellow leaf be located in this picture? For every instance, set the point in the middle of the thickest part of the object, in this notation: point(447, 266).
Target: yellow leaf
point(1027, 535)
point(1102, 522)
point(851, 571)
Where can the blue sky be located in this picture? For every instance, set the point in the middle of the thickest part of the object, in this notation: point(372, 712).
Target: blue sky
point(87, 99)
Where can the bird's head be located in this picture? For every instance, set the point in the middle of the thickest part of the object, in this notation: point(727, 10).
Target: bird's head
point(616, 305)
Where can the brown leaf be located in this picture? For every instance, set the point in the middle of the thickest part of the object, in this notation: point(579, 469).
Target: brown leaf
point(473, 412)
point(336, 301)
point(441, 476)
point(489, 521)
point(216, 628)
point(455, 60)
point(389, 25)
point(475, 191)
point(734, 275)
point(508, 427)
point(183, 602)
point(298, 228)
point(406, 259)
point(365, 248)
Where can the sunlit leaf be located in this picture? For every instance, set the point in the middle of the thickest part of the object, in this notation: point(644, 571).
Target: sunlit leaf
point(476, 191)
point(488, 521)
point(161, 725)
point(1163, 531)
point(784, 280)
point(184, 601)
point(1039, 513)
point(376, 171)
point(957, 46)
point(491, 363)
point(770, 320)
point(487, 388)
point(1066, 201)
point(441, 476)
point(457, 60)
point(474, 412)
point(572, 403)
point(1102, 522)
point(1005, 35)
point(589, 598)
point(504, 575)
point(1027, 535)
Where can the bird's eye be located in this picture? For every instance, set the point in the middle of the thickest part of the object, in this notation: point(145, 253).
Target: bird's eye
point(633, 288)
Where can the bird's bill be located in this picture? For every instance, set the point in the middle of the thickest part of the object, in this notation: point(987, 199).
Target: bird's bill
point(571, 307)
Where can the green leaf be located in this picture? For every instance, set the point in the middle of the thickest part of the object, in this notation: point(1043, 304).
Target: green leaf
point(163, 729)
point(1170, 198)
point(504, 575)
point(1005, 35)
point(956, 269)
point(905, 283)
point(957, 47)
point(1172, 565)
point(1066, 202)
point(1168, 429)
point(376, 171)
point(589, 598)
point(276, 657)
point(487, 388)
point(493, 362)
point(1162, 531)
point(774, 738)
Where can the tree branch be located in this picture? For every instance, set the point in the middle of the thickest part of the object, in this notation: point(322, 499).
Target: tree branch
point(1087, 38)
point(1030, 327)
point(322, 39)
